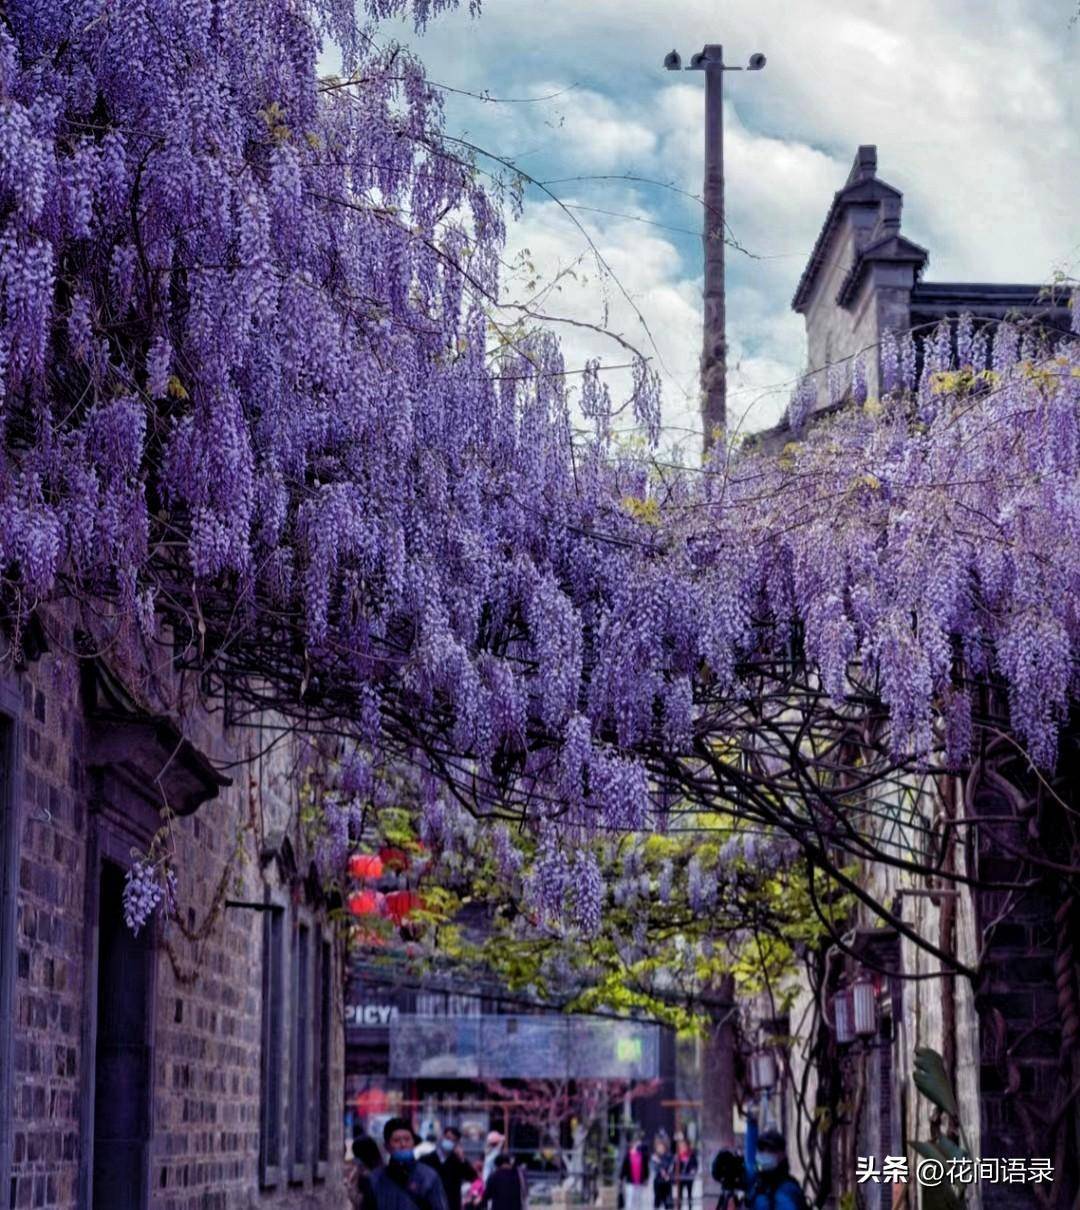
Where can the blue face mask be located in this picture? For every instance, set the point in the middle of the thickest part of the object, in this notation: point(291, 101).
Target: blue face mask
point(448, 1146)
point(767, 1160)
point(404, 1157)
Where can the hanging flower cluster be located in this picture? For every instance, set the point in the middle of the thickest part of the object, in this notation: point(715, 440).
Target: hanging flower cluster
point(147, 886)
point(253, 384)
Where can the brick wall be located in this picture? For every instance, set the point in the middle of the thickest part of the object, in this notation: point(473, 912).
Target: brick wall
point(203, 1149)
point(48, 809)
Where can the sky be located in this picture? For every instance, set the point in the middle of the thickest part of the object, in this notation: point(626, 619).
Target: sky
point(974, 106)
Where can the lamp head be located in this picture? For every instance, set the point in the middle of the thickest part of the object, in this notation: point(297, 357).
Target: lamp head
point(673, 61)
point(757, 62)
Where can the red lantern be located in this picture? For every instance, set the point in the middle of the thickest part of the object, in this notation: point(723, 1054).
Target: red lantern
point(401, 904)
point(366, 866)
point(371, 1103)
point(394, 859)
point(365, 903)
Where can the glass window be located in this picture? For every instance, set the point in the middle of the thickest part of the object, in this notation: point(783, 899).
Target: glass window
point(301, 1052)
point(325, 1023)
point(273, 999)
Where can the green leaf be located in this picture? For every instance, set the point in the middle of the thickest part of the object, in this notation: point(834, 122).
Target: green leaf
point(952, 1150)
point(931, 1080)
point(929, 1151)
point(939, 1197)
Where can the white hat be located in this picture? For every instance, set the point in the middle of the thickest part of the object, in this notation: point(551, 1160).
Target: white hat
point(494, 1139)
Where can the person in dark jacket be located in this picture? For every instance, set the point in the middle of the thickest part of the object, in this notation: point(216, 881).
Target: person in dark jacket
point(366, 1157)
point(769, 1183)
point(505, 1188)
point(403, 1183)
point(685, 1171)
point(453, 1168)
point(661, 1165)
point(729, 1172)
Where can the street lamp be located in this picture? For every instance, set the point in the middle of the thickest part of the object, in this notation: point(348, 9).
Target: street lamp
point(864, 1006)
point(714, 344)
point(762, 1071)
point(844, 1016)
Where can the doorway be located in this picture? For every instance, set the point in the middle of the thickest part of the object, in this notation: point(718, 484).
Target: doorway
point(122, 1067)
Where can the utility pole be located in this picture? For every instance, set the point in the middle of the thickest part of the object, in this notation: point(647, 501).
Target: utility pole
point(714, 342)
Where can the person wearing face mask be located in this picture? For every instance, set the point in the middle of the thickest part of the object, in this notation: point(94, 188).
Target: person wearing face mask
point(403, 1183)
point(448, 1162)
point(769, 1183)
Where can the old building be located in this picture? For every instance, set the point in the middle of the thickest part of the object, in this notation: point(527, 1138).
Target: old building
point(1002, 1011)
point(197, 1063)
point(865, 277)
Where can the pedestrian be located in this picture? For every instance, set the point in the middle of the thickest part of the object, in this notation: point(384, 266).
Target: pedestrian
point(635, 1173)
point(475, 1193)
point(492, 1147)
point(403, 1183)
point(505, 1187)
point(366, 1158)
point(453, 1169)
point(685, 1171)
point(429, 1145)
point(661, 1165)
point(729, 1172)
point(769, 1183)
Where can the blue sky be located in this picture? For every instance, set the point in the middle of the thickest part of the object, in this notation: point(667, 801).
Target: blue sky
point(974, 106)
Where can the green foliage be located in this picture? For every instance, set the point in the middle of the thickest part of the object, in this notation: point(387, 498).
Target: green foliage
point(932, 1081)
point(654, 955)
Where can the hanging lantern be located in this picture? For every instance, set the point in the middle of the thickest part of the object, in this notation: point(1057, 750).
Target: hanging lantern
point(401, 904)
point(371, 1103)
point(365, 903)
point(844, 1016)
point(763, 1071)
point(864, 1007)
point(367, 866)
point(394, 859)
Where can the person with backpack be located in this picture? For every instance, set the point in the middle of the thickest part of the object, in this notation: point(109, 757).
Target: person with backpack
point(729, 1172)
point(769, 1183)
point(403, 1183)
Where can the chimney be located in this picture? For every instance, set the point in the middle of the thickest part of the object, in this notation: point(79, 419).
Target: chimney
point(865, 166)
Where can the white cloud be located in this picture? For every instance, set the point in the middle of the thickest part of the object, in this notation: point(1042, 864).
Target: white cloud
point(973, 107)
point(648, 281)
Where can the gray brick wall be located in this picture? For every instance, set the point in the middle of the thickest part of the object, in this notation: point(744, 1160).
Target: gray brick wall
point(203, 1150)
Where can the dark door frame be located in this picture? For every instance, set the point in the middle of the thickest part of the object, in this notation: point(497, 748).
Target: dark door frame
point(109, 842)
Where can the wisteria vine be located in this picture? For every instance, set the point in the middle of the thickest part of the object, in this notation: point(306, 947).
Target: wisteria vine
point(260, 404)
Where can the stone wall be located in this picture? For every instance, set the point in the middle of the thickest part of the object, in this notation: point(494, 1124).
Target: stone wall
point(206, 1005)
